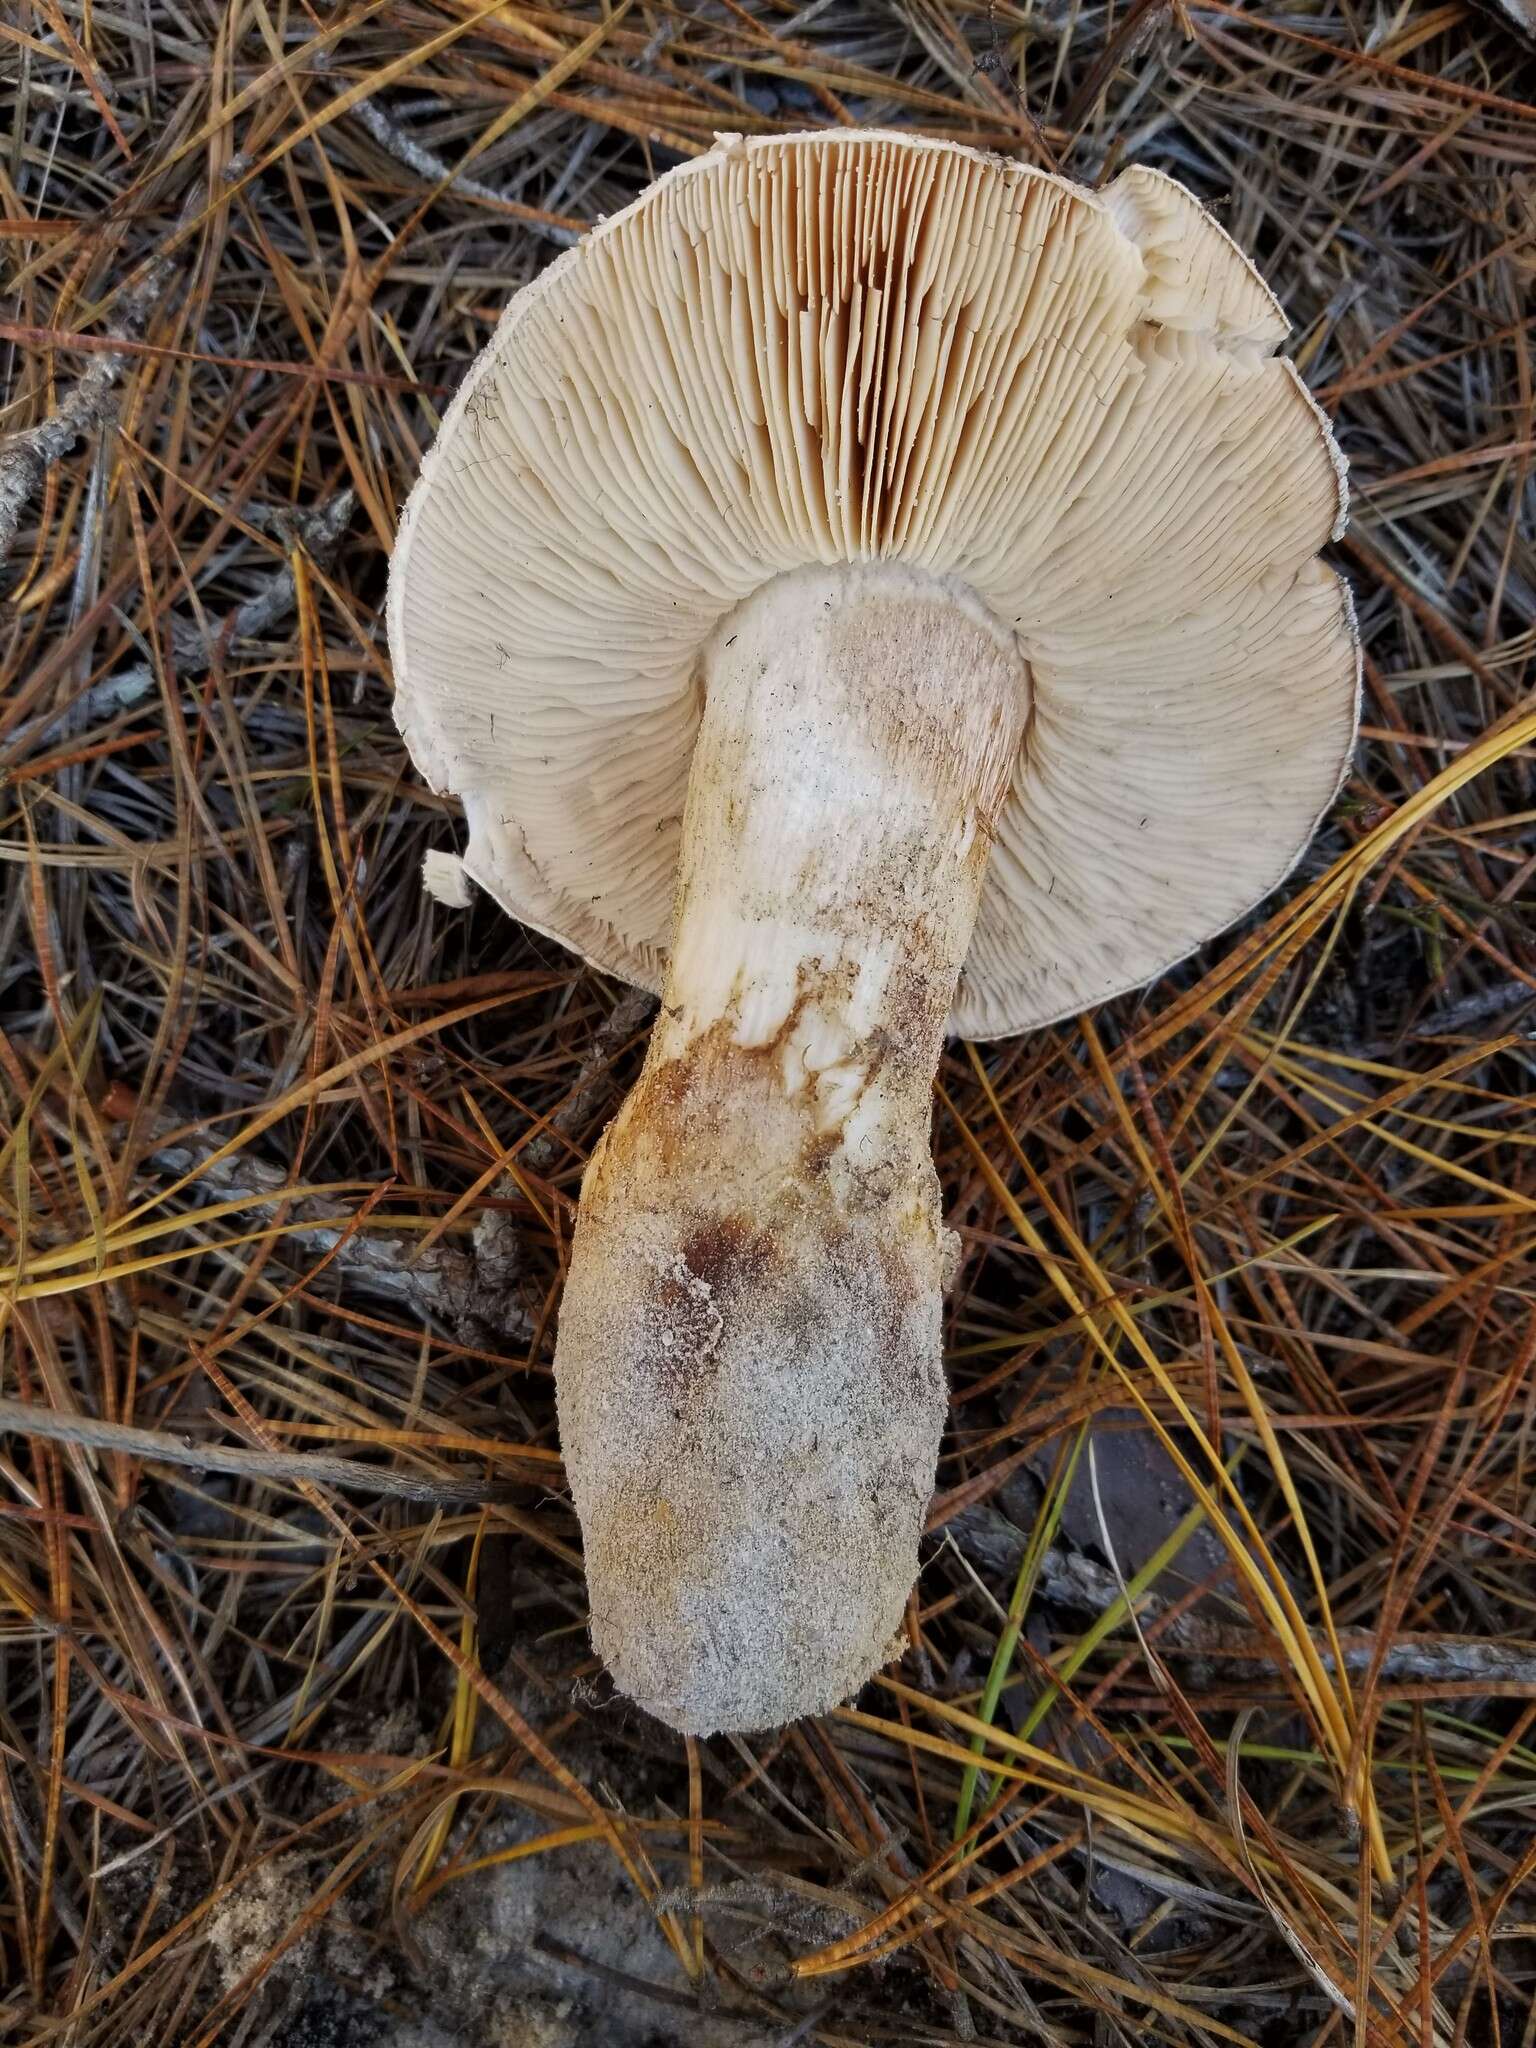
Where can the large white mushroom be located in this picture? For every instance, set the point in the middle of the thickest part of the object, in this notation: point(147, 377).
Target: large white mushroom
point(866, 588)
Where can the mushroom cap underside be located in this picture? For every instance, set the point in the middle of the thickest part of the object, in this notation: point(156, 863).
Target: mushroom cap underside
point(859, 346)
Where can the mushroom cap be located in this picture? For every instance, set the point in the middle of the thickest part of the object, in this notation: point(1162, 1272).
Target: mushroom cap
point(856, 346)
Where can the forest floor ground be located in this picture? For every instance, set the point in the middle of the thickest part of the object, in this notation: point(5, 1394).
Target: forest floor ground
point(289, 1154)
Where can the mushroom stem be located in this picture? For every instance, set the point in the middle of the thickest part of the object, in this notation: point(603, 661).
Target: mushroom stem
point(749, 1370)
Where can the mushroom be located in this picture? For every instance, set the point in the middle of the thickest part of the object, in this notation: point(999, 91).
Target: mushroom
point(866, 588)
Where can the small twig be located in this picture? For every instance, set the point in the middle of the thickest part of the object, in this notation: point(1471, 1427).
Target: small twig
point(1070, 1579)
point(1498, 1000)
point(441, 1282)
point(319, 531)
point(22, 1418)
point(628, 1015)
point(994, 62)
point(27, 455)
point(1434, 1660)
point(406, 150)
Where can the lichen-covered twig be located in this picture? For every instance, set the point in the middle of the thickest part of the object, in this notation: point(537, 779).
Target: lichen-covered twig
point(26, 1418)
point(454, 1287)
point(27, 455)
point(630, 1014)
point(1072, 1580)
point(405, 149)
point(319, 531)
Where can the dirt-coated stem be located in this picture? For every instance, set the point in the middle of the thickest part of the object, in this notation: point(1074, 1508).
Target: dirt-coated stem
point(749, 1371)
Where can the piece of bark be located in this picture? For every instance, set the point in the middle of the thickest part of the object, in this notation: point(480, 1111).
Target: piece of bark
point(472, 1293)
